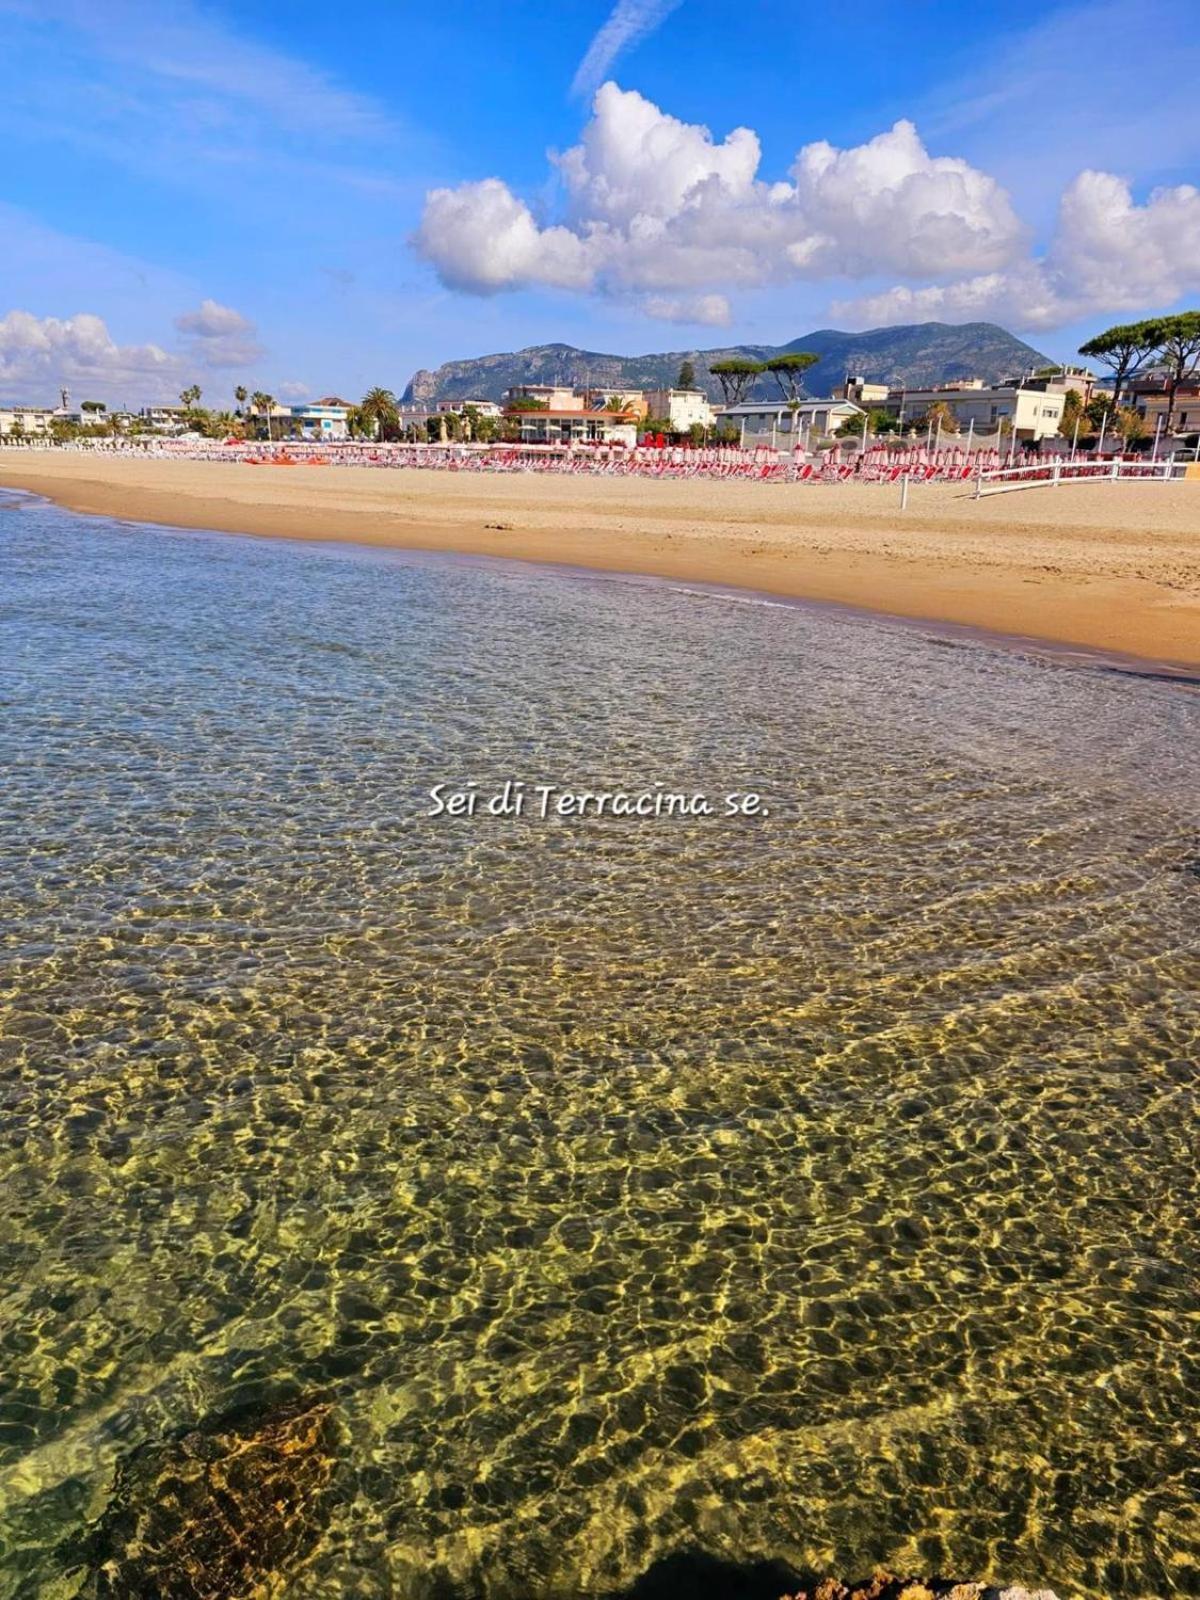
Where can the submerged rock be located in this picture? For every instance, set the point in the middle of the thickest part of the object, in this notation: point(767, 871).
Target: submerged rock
point(887, 1586)
point(226, 1512)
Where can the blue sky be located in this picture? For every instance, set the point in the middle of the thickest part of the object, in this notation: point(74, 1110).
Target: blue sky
point(238, 194)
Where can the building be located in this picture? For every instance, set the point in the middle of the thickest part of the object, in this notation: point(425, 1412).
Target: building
point(1033, 407)
point(571, 426)
point(683, 408)
point(1149, 398)
point(482, 408)
point(554, 396)
point(558, 397)
point(779, 426)
point(1078, 378)
point(318, 422)
point(634, 400)
point(413, 414)
point(26, 422)
point(863, 393)
point(164, 419)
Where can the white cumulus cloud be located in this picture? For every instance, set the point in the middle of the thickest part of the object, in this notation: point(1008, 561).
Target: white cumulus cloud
point(218, 336)
point(482, 238)
point(43, 353)
point(657, 205)
point(1108, 254)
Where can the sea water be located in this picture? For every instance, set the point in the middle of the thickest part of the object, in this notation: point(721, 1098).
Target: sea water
point(818, 1184)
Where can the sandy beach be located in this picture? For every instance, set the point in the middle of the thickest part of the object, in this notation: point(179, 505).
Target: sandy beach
point(1111, 567)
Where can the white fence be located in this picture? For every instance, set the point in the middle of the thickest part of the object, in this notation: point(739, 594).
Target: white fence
point(1050, 474)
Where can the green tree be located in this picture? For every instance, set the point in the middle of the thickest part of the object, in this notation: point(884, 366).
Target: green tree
point(736, 376)
point(880, 422)
point(788, 371)
point(1097, 409)
point(93, 406)
point(1124, 350)
point(1130, 424)
point(942, 417)
point(1179, 348)
point(526, 402)
point(484, 430)
point(1072, 413)
point(190, 398)
point(687, 376)
point(239, 394)
point(380, 412)
point(220, 424)
point(614, 403)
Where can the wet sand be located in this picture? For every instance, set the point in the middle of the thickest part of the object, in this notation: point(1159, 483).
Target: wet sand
point(1111, 567)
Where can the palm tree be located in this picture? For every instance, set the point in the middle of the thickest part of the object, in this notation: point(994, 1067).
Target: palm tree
point(221, 424)
point(190, 397)
point(239, 394)
point(379, 411)
point(263, 404)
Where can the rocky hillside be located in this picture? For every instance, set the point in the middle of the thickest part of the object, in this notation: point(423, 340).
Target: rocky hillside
point(924, 353)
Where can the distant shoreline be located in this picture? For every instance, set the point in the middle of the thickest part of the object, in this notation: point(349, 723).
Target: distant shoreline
point(1109, 568)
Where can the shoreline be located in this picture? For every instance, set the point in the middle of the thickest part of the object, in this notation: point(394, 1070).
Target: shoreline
point(1112, 569)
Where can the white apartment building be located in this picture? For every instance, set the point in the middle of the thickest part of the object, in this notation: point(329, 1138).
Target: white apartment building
point(684, 408)
point(165, 419)
point(483, 408)
point(1033, 407)
point(26, 422)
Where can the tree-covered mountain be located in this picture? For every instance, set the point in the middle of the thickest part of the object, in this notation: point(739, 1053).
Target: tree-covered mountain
point(921, 354)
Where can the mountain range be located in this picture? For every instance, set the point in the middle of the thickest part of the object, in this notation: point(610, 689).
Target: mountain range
point(918, 355)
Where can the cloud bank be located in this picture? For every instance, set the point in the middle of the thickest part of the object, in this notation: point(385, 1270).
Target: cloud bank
point(658, 205)
point(657, 210)
point(1108, 254)
point(52, 351)
point(39, 355)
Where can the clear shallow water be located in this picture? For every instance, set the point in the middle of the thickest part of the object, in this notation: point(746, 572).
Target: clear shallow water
point(822, 1187)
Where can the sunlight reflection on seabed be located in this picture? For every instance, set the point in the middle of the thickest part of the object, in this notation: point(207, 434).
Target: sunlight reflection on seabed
point(493, 1207)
